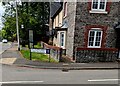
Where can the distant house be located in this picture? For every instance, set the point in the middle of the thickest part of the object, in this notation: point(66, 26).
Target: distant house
point(86, 26)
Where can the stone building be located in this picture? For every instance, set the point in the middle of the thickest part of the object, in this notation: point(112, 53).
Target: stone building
point(85, 25)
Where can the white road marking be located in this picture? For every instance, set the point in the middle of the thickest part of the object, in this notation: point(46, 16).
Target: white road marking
point(100, 80)
point(21, 82)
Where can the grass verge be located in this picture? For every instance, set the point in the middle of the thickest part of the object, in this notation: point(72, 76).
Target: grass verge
point(37, 56)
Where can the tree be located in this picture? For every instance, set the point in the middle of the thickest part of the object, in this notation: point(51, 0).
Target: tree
point(33, 15)
point(0, 35)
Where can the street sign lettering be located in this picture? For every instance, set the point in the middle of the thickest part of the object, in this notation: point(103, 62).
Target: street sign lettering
point(44, 51)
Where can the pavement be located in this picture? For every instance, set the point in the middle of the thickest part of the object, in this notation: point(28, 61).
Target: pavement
point(13, 57)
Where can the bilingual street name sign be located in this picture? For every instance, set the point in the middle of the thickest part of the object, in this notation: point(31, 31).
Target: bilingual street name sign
point(44, 51)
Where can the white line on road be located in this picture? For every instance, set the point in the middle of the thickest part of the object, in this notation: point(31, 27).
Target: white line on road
point(21, 82)
point(100, 80)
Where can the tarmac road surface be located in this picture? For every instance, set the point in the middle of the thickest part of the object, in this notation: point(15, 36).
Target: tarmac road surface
point(23, 75)
point(4, 46)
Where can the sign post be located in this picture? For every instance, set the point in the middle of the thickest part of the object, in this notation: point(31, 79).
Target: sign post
point(30, 55)
point(41, 50)
point(49, 57)
point(31, 38)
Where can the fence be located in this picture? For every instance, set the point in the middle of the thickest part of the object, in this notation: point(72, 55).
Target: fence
point(55, 52)
point(96, 54)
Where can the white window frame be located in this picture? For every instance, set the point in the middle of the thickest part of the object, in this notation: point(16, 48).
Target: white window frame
point(95, 30)
point(98, 10)
point(59, 41)
point(65, 9)
point(60, 18)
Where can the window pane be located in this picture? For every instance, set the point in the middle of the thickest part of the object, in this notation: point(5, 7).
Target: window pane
point(92, 33)
point(98, 38)
point(90, 43)
point(61, 39)
point(65, 8)
point(94, 38)
point(95, 4)
point(102, 4)
point(97, 43)
point(91, 38)
point(98, 33)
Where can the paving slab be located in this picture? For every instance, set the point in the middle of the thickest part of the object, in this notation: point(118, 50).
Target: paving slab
point(9, 61)
point(13, 57)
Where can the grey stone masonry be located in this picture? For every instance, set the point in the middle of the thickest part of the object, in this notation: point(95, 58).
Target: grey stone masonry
point(119, 10)
point(110, 38)
point(70, 18)
point(84, 17)
point(78, 17)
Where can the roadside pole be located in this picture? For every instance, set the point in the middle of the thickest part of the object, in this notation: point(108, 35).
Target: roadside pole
point(17, 28)
point(48, 52)
point(30, 55)
point(49, 57)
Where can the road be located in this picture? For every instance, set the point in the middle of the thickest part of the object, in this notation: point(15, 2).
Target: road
point(22, 75)
point(4, 46)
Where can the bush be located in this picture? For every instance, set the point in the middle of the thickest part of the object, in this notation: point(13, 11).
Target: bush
point(38, 44)
point(23, 43)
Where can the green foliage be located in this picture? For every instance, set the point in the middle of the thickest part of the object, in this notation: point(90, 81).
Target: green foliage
point(9, 29)
point(3, 32)
point(37, 56)
point(33, 15)
point(0, 35)
point(38, 45)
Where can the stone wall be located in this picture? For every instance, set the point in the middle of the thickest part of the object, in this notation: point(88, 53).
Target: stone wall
point(70, 18)
point(110, 38)
point(83, 18)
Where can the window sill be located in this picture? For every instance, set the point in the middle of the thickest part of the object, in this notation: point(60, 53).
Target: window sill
point(93, 47)
point(101, 12)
